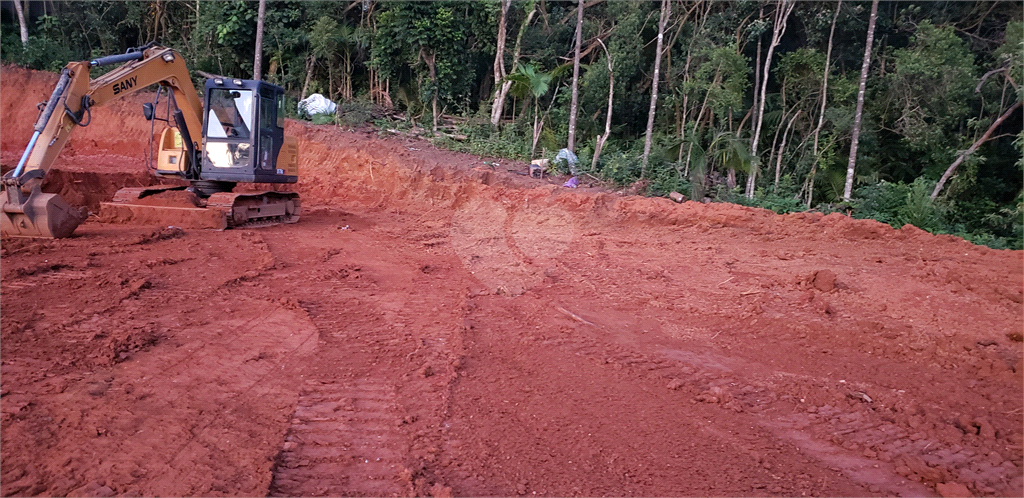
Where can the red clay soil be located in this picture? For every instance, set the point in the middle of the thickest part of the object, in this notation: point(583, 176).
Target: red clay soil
point(435, 325)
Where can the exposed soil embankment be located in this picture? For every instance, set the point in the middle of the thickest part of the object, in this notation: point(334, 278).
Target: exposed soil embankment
point(438, 325)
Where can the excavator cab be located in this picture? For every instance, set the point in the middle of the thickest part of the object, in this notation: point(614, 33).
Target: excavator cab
point(243, 136)
point(244, 133)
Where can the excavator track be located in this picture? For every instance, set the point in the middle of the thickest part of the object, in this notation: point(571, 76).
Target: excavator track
point(256, 209)
point(178, 207)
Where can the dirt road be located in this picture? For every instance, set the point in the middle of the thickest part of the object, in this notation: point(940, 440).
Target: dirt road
point(438, 326)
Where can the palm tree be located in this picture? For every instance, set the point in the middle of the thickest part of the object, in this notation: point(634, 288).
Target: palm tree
point(526, 82)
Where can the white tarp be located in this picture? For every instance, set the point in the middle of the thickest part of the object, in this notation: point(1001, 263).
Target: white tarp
point(317, 104)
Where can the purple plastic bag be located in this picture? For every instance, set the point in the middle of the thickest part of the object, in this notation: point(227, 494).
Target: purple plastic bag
point(572, 183)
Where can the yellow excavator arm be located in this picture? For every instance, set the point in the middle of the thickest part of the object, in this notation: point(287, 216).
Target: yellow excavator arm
point(29, 212)
point(149, 66)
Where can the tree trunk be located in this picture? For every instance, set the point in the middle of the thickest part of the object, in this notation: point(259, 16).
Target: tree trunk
point(430, 61)
point(824, 100)
point(257, 64)
point(505, 86)
point(782, 11)
point(974, 147)
point(855, 141)
point(497, 107)
point(574, 107)
point(782, 148)
point(21, 22)
point(686, 78)
point(310, 66)
point(538, 125)
point(665, 12)
point(608, 117)
point(330, 81)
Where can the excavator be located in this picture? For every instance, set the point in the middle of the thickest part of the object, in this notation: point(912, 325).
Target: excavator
point(233, 133)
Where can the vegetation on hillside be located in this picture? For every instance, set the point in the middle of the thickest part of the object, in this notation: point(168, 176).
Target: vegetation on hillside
point(939, 144)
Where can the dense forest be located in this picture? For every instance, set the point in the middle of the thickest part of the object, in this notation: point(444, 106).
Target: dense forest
point(905, 112)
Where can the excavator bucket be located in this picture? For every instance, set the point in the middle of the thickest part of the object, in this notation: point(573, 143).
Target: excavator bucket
point(38, 215)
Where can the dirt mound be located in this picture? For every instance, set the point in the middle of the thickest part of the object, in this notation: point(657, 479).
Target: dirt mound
point(438, 325)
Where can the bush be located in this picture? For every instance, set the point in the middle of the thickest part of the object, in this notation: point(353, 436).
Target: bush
point(39, 53)
point(482, 140)
point(619, 167)
point(919, 209)
point(900, 204)
point(354, 113)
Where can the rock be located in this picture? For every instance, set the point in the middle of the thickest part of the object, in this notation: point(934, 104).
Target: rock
point(952, 490)
point(676, 196)
point(98, 388)
point(521, 488)
point(675, 384)
point(965, 424)
point(985, 429)
point(995, 459)
point(920, 468)
point(721, 393)
point(439, 490)
point(93, 489)
point(824, 280)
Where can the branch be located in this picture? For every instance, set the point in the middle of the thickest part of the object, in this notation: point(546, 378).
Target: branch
point(977, 89)
point(572, 13)
point(963, 155)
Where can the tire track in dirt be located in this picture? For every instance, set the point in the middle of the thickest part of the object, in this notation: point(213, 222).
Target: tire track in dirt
point(370, 411)
point(342, 442)
point(855, 439)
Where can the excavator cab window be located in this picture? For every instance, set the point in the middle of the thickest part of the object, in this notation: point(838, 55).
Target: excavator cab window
point(230, 113)
point(228, 124)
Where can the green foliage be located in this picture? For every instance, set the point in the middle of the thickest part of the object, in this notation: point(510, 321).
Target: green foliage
point(782, 200)
point(39, 53)
point(436, 41)
point(482, 140)
point(354, 113)
point(527, 82)
point(619, 167)
point(900, 204)
point(928, 91)
point(922, 108)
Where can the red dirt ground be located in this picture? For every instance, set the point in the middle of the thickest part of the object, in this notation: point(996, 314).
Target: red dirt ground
point(437, 326)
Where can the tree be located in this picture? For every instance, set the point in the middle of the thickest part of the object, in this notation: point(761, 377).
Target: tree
point(503, 84)
point(665, 12)
point(973, 148)
point(782, 11)
point(527, 81)
point(859, 114)
point(574, 106)
point(436, 41)
point(323, 45)
point(599, 146)
point(824, 100)
point(21, 22)
point(498, 104)
point(257, 64)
